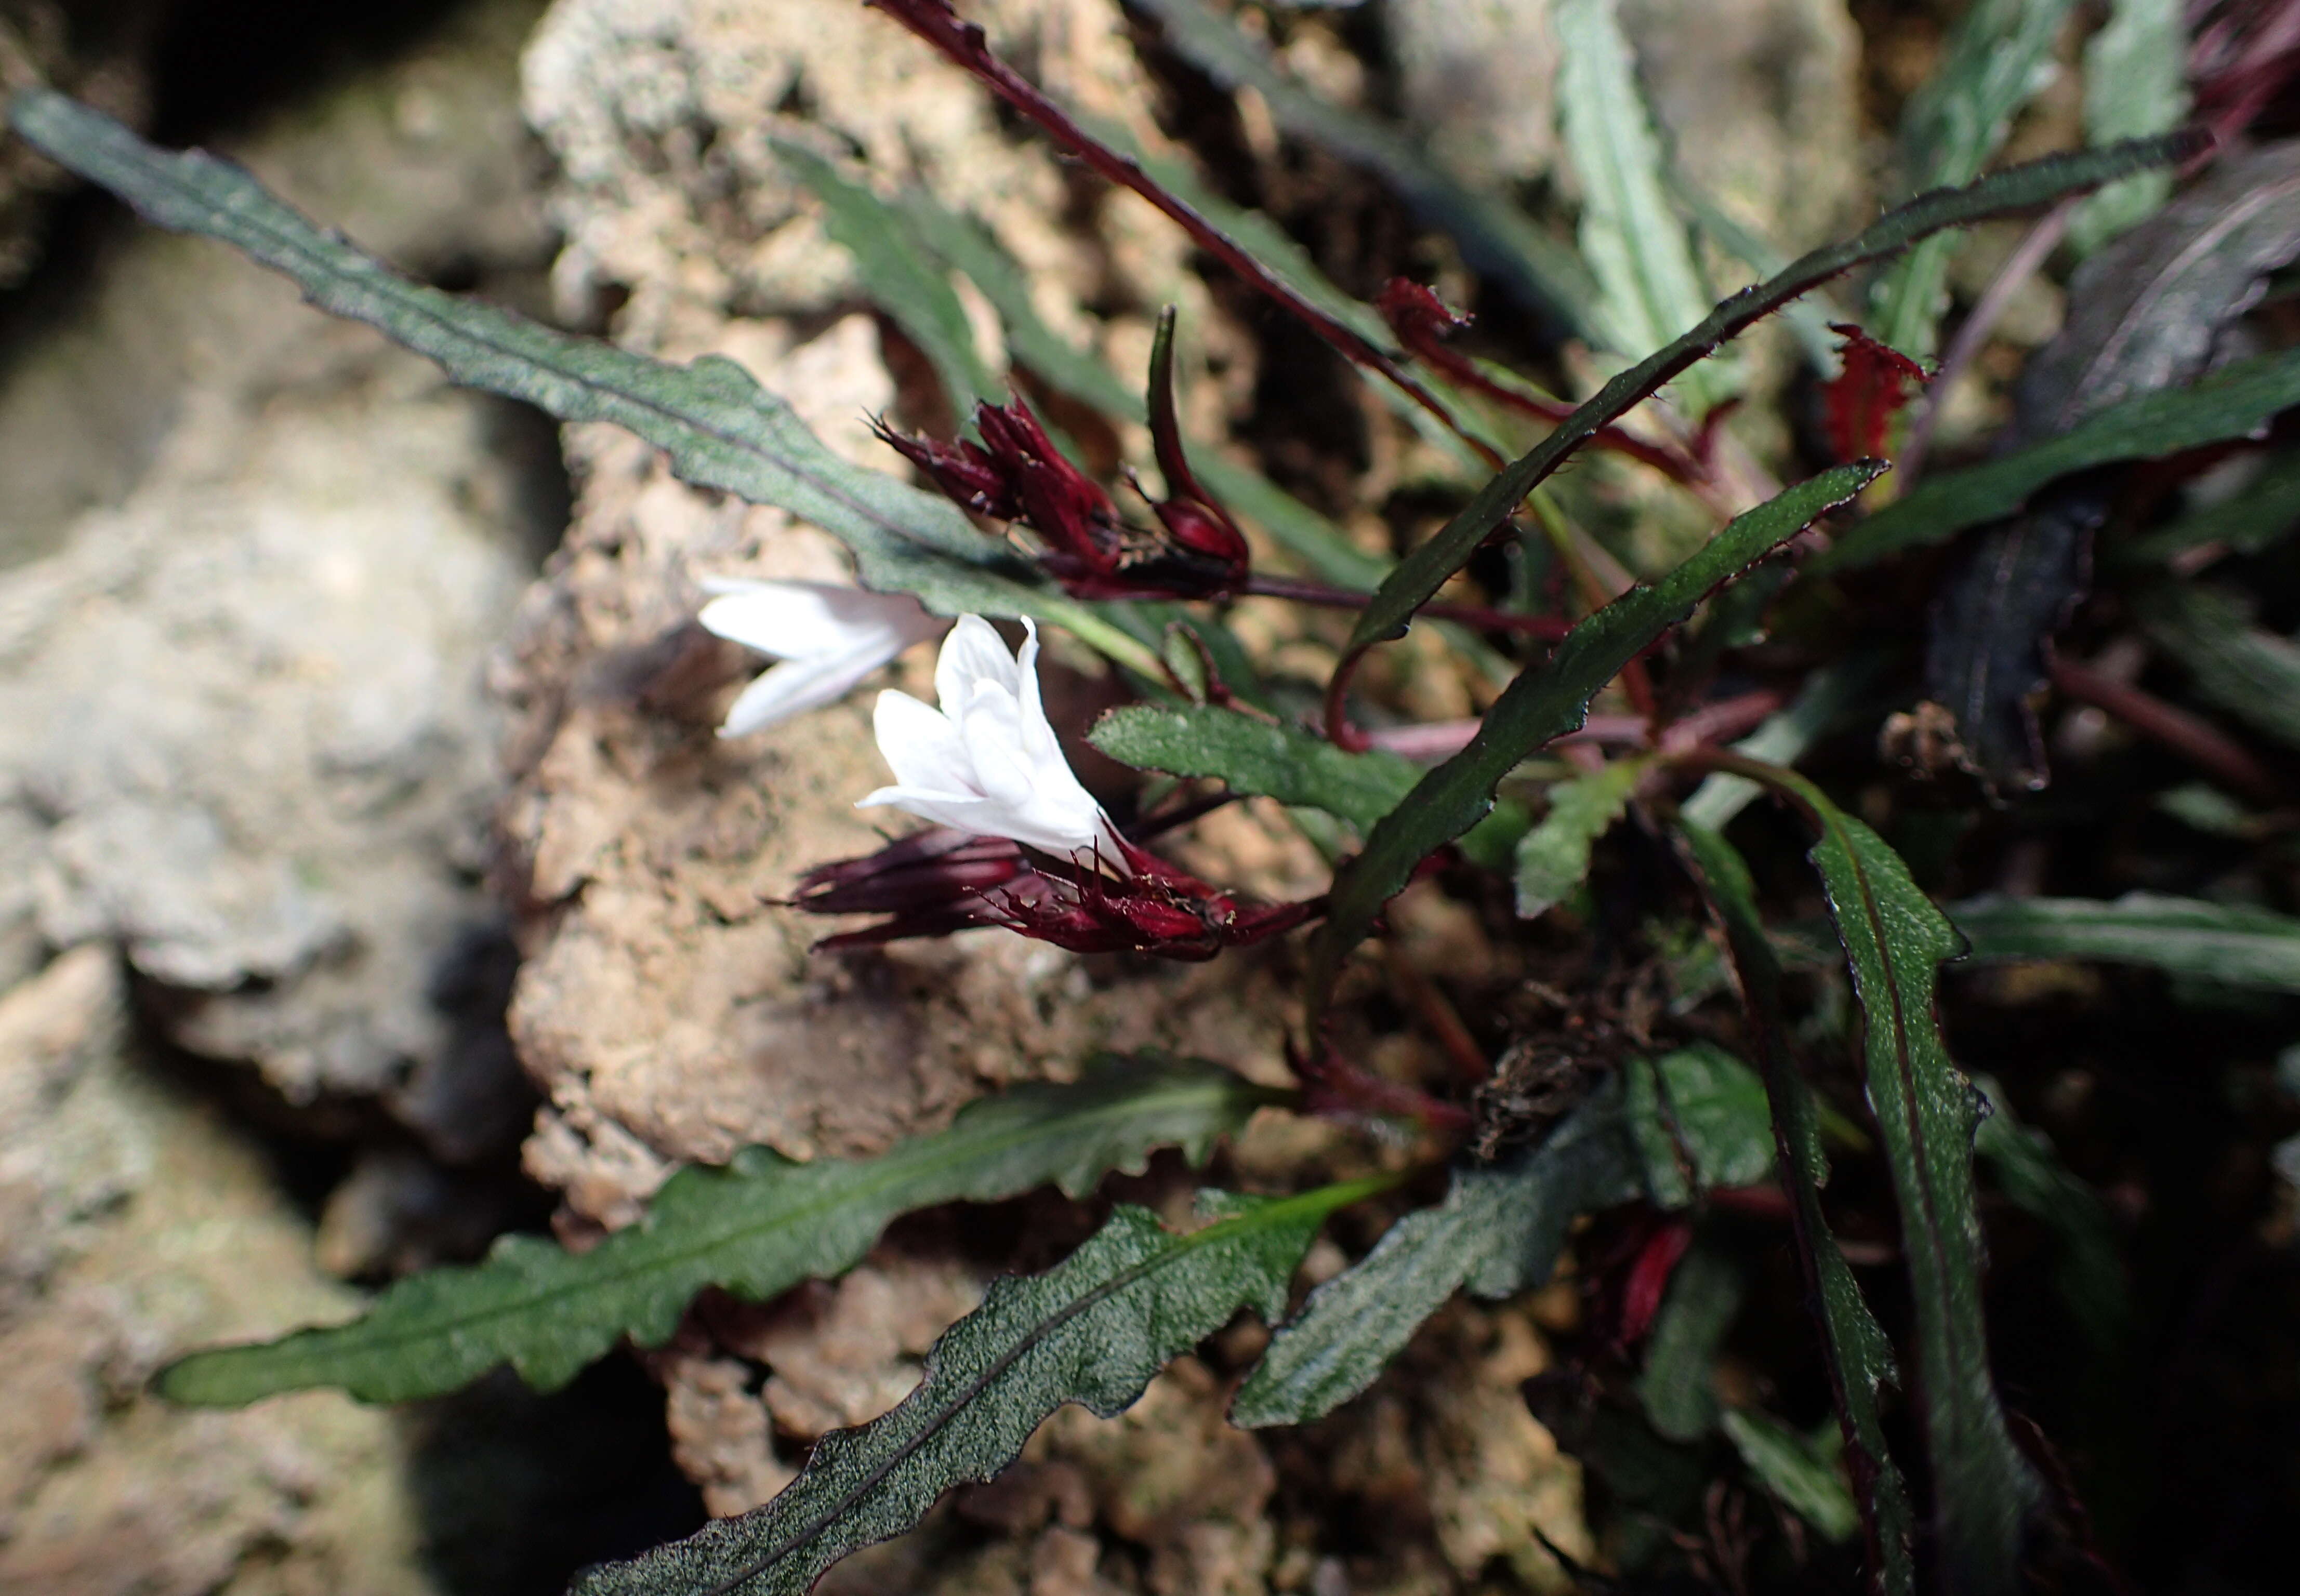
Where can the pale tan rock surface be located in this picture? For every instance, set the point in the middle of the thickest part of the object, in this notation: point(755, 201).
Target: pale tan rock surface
point(258, 557)
point(134, 1224)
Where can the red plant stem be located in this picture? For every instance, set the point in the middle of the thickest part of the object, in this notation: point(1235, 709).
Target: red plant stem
point(964, 45)
point(1718, 719)
point(1333, 1088)
point(2240, 61)
point(2011, 277)
point(1445, 1022)
point(1676, 464)
point(2210, 750)
point(1548, 627)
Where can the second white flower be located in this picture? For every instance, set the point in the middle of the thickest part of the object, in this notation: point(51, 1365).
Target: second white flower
point(987, 762)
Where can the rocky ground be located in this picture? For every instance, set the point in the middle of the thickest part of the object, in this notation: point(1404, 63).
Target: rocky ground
point(363, 830)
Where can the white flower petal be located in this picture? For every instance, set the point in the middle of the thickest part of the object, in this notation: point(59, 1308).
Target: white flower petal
point(973, 652)
point(976, 816)
point(1037, 732)
point(922, 745)
point(989, 763)
point(793, 687)
point(830, 638)
point(794, 620)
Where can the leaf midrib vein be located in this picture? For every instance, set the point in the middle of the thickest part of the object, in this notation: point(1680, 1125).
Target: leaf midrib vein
point(736, 1236)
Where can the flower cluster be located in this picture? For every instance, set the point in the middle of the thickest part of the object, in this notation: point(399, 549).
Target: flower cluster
point(938, 881)
point(1016, 474)
point(1017, 841)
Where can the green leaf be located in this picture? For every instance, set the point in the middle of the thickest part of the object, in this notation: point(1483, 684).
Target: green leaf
point(1553, 858)
point(2203, 806)
point(2248, 520)
point(965, 246)
point(1698, 1112)
point(1631, 238)
point(756, 1227)
point(1497, 239)
point(2253, 674)
point(720, 428)
point(2228, 943)
point(2229, 403)
point(1256, 758)
point(1678, 1386)
point(1421, 574)
point(897, 274)
point(1547, 701)
point(2133, 73)
point(1999, 57)
point(1094, 1330)
point(1498, 1231)
point(1860, 1359)
point(1894, 939)
point(1802, 1473)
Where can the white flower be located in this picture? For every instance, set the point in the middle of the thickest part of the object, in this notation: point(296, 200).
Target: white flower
point(828, 638)
point(986, 762)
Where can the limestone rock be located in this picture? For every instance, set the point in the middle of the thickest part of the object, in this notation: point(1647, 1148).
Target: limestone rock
point(1760, 100)
point(99, 54)
point(1476, 77)
point(136, 1226)
point(242, 725)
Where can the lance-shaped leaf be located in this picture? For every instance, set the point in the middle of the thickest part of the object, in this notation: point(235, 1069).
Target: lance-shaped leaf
point(1547, 701)
point(1800, 1472)
point(2253, 674)
point(1257, 758)
point(1894, 939)
point(2007, 591)
point(1092, 1330)
point(2000, 55)
point(1553, 858)
point(1678, 1385)
point(2149, 312)
point(897, 274)
point(2229, 403)
point(1421, 574)
point(2145, 314)
point(1700, 1120)
point(1860, 1359)
point(1498, 1231)
point(2232, 945)
point(1497, 239)
point(718, 426)
point(755, 1227)
point(1631, 235)
point(2133, 69)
